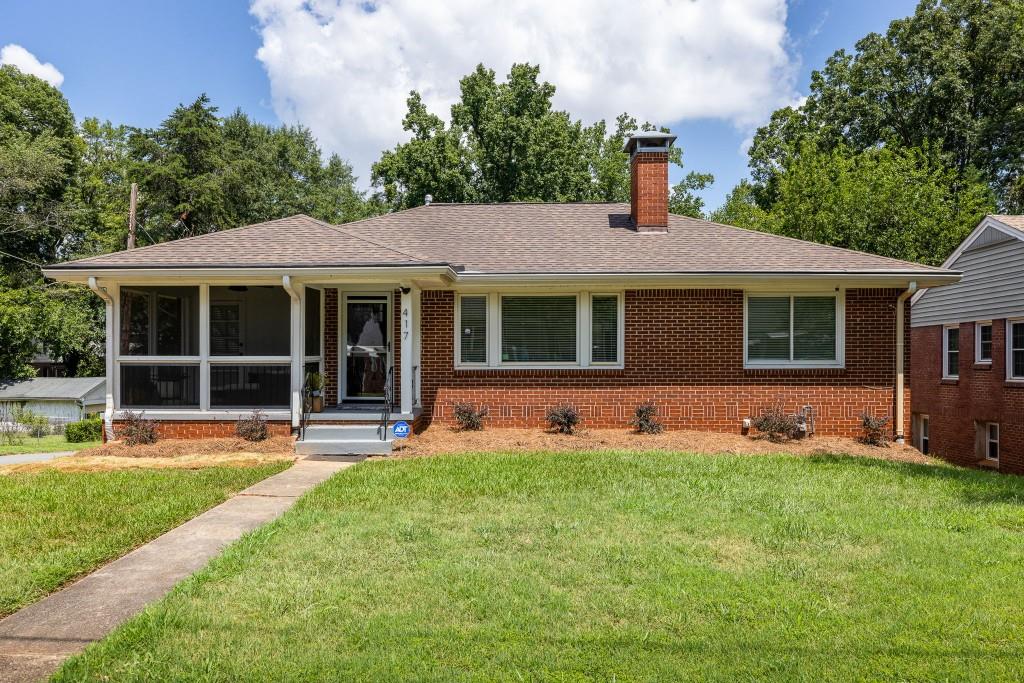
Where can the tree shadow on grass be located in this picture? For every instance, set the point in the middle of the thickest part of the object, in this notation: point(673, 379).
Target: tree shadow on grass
point(975, 487)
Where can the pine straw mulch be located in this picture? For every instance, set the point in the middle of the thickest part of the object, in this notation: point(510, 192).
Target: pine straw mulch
point(438, 439)
point(167, 454)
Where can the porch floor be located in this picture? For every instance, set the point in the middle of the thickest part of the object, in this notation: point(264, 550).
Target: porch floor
point(361, 412)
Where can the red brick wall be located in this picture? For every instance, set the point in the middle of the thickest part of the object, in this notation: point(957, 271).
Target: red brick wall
point(649, 190)
point(207, 429)
point(332, 351)
point(684, 350)
point(980, 394)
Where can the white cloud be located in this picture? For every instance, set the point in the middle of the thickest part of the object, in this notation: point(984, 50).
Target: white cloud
point(29, 64)
point(345, 68)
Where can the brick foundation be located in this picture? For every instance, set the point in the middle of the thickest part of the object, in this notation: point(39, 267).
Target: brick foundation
point(207, 429)
point(981, 394)
point(684, 350)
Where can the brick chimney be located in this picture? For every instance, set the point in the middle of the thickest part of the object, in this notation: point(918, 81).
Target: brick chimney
point(648, 170)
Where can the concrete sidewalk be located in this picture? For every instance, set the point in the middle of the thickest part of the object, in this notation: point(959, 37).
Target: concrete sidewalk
point(35, 640)
point(19, 458)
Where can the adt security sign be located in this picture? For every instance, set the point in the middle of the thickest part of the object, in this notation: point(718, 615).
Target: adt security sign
point(401, 430)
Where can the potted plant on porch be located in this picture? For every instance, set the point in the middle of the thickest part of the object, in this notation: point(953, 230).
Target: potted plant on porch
point(315, 382)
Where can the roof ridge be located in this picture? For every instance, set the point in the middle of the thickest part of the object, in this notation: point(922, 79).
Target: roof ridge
point(813, 244)
point(363, 238)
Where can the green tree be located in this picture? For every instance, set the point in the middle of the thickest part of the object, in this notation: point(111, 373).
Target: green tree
point(684, 199)
point(505, 142)
point(952, 74)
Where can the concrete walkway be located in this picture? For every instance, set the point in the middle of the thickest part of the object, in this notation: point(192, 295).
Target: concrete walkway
point(34, 641)
point(19, 458)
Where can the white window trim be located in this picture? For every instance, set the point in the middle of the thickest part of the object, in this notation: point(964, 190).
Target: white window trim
point(1010, 322)
point(977, 342)
point(989, 441)
point(945, 352)
point(923, 426)
point(583, 331)
point(839, 362)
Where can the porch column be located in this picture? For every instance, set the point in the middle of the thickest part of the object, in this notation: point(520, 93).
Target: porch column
point(297, 294)
point(111, 341)
point(409, 326)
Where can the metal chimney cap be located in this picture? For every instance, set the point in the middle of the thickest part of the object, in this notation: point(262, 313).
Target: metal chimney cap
point(648, 139)
point(427, 199)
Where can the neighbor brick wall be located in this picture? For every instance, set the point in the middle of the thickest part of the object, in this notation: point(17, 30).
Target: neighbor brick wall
point(980, 394)
point(684, 350)
point(649, 190)
point(207, 429)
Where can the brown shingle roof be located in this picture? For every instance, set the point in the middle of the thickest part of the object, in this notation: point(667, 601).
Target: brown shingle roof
point(1014, 221)
point(507, 238)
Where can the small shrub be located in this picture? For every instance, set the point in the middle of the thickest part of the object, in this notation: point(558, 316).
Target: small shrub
point(469, 417)
point(37, 426)
point(135, 430)
point(564, 418)
point(645, 419)
point(776, 425)
point(89, 429)
point(873, 430)
point(252, 427)
point(11, 433)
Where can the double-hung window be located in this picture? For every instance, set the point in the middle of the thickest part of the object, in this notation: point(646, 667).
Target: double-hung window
point(1015, 349)
point(801, 330)
point(951, 352)
point(571, 330)
point(983, 342)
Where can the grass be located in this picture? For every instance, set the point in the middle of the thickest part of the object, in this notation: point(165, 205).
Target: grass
point(605, 566)
point(55, 526)
point(45, 444)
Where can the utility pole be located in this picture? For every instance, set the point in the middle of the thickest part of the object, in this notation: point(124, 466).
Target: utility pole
point(131, 215)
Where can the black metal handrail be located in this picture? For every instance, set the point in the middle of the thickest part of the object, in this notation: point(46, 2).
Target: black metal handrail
point(307, 407)
point(389, 401)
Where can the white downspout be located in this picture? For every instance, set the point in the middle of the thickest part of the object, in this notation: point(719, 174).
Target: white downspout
point(900, 303)
point(296, 349)
point(108, 411)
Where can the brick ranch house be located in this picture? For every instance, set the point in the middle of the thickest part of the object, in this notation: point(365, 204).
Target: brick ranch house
point(514, 306)
point(968, 340)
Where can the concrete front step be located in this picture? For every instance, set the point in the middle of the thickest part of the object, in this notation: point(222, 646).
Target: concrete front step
point(368, 431)
point(343, 447)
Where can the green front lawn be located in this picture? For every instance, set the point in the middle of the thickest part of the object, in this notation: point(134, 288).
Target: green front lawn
point(57, 525)
point(606, 567)
point(44, 444)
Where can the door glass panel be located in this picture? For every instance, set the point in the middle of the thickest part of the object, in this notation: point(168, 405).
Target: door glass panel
point(366, 348)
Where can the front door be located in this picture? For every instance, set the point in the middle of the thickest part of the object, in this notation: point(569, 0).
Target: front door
point(367, 333)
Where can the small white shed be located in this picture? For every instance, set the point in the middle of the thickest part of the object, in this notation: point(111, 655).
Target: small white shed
point(59, 399)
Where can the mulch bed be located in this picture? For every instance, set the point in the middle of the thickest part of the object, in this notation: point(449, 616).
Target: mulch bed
point(438, 439)
point(171, 448)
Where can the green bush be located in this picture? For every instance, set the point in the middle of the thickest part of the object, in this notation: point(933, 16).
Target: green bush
point(89, 429)
point(37, 426)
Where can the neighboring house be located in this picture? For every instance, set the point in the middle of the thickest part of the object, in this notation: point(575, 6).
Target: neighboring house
point(59, 399)
point(968, 341)
point(515, 306)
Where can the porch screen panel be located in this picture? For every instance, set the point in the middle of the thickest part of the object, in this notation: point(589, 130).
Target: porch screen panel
point(312, 321)
point(538, 329)
point(159, 386)
point(250, 386)
point(473, 329)
point(604, 315)
point(814, 328)
point(159, 321)
point(253, 320)
point(768, 328)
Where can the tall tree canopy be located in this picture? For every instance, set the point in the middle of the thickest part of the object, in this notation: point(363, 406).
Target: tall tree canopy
point(937, 103)
point(505, 142)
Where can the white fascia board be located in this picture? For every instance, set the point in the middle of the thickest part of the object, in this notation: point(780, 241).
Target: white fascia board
point(385, 274)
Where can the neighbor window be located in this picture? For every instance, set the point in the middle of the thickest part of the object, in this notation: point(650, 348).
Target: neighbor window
point(992, 441)
point(159, 321)
point(576, 329)
point(538, 329)
point(983, 342)
point(951, 352)
point(1015, 349)
point(473, 329)
point(793, 330)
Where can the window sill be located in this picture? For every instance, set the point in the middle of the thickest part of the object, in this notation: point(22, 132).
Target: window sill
point(983, 365)
point(1015, 383)
point(770, 370)
point(499, 369)
point(951, 381)
point(990, 464)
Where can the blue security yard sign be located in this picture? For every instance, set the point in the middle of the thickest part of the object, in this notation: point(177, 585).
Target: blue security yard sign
point(401, 430)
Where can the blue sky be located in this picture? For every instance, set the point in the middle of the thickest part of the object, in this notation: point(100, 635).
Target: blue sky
point(134, 62)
